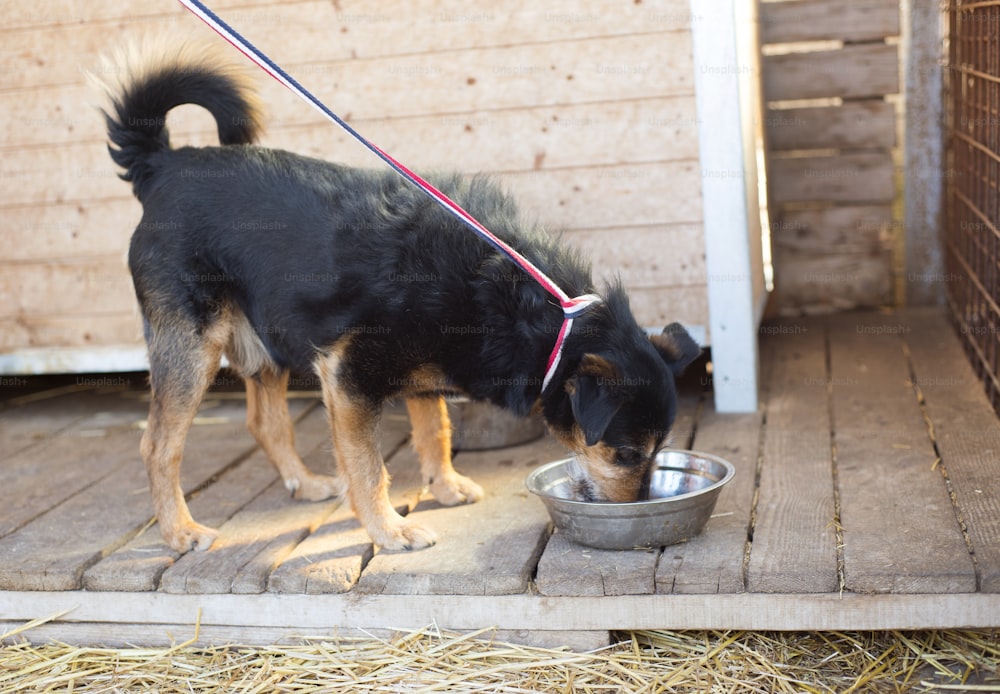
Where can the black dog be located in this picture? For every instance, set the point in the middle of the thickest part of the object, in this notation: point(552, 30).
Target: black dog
point(290, 264)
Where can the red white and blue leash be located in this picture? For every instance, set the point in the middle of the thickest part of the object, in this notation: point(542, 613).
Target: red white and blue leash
point(572, 306)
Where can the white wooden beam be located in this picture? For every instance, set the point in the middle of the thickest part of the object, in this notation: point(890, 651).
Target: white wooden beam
point(735, 301)
point(270, 613)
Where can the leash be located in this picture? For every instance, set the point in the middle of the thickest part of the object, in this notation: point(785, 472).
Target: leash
point(571, 306)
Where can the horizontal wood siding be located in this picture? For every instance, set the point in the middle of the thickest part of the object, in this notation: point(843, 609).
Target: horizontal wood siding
point(812, 20)
point(586, 113)
point(831, 138)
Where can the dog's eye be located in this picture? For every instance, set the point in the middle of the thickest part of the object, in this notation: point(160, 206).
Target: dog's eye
point(628, 456)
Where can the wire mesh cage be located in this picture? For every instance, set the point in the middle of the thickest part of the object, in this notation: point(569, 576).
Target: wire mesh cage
point(972, 171)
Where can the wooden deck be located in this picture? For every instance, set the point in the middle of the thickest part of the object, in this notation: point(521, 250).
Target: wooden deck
point(867, 497)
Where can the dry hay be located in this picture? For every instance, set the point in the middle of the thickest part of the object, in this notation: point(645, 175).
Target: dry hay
point(430, 661)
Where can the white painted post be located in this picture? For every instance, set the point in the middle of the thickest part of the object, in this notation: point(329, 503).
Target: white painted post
point(731, 220)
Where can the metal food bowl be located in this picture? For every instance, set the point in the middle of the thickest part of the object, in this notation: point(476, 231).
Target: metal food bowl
point(683, 492)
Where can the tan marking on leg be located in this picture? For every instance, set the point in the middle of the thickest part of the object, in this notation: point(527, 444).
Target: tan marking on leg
point(180, 372)
point(432, 441)
point(355, 436)
point(269, 422)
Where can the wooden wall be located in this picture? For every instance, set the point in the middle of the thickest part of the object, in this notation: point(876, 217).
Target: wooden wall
point(585, 110)
point(828, 68)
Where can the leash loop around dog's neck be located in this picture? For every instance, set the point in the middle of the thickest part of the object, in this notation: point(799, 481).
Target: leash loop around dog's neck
point(571, 306)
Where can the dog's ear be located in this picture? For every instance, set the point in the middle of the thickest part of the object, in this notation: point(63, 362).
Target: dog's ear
point(676, 347)
point(593, 396)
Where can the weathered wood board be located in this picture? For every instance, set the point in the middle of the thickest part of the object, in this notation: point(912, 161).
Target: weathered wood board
point(793, 547)
point(841, 229)
point(964, 427)
point(900, 530)
point(868, 124)
point(816, 20)
point(852, 178)
point(836, 73)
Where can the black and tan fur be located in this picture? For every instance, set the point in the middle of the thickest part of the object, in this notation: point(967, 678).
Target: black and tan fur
point(287, 264)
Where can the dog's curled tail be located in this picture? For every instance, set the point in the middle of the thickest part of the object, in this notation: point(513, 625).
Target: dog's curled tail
point(148, 82)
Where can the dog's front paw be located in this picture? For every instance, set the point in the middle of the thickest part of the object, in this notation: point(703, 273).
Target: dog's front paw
point(455, 489)
point(188, 536)
point(404, 535)
point(312, 487)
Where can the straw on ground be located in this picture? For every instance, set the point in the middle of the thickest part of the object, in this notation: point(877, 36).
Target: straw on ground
point(429, 661)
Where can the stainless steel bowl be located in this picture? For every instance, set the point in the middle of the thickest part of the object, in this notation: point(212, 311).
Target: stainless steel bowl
point(683, 492)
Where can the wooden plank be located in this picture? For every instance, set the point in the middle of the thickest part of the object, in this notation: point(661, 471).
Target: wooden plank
point(869, 124)
point(82, 334)
point(100, 285)
point(42, 477)
point(299, 33)
point(816, 20)
point(528, 138)
point(470, 139)
point(568, 568)
point(34, 421)
point(966, 432)
point(628, 251)
point(44, 556)
point(54, 232)
point(793, 545)
point(259, 536)
point(70, 12)
point(589, 196)
point(86, 333)
point(600, 69)
point(854, 178)
point(834, 230)
point(487, 548)
point(660, 306)
point(819, 282)
point(52, 174)
point(572, 72)
point(612, 196)
point(857, 71)
point(833, 611)
point(167, 635)
point(330, 560)
point(899, 527)
point(712, 562)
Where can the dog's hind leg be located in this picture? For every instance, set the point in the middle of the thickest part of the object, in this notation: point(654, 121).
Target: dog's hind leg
point(182, 362)
point(432, 441)
point(269, 422)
